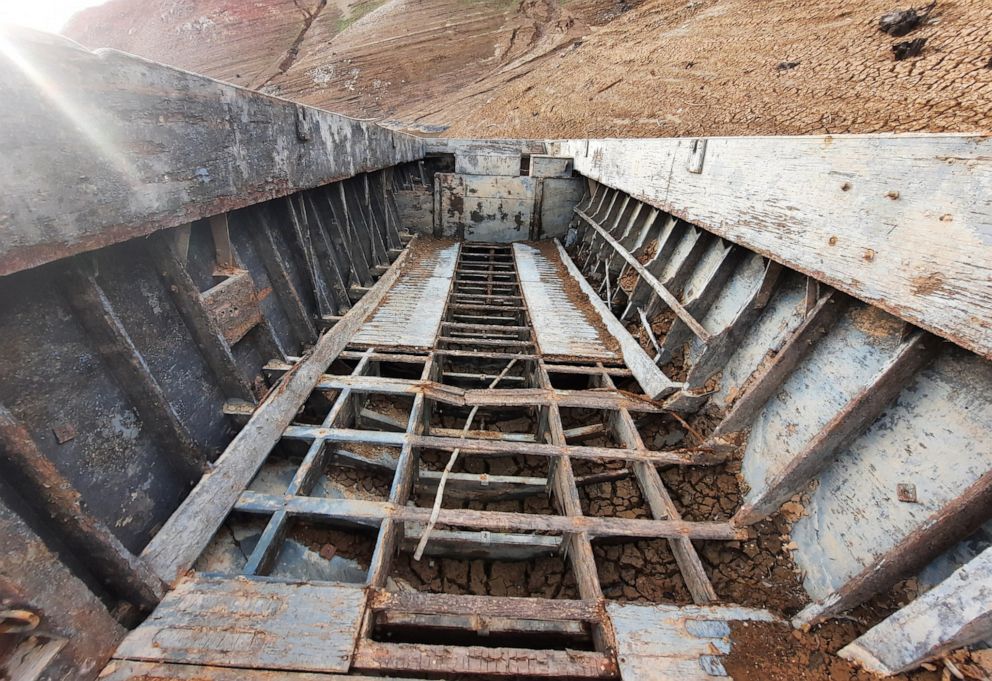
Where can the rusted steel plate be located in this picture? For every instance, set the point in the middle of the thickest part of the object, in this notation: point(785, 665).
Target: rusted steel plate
point(410, 314)
point(246, 623)
point(233, 303)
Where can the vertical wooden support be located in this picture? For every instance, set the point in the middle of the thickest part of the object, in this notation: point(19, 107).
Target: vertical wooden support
point(93, 310)
point(207, 335)
point(278, 271)
point(54, 496)
point(223, 250)
point(352, 240)
point(847, 424)
point(327, 259)
point(321, 292)
point(819, 321)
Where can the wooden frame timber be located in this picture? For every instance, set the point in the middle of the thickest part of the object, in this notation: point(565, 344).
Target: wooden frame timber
point(906, 261)
point(178, 544)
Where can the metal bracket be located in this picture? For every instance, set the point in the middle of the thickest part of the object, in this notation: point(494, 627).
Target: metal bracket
point(697, 153)
point(302, 124)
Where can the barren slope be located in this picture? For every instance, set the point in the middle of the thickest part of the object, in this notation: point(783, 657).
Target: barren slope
point(502, 68)
point(739, 67)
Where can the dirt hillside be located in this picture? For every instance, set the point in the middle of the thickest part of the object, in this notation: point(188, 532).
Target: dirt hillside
point(532, 68)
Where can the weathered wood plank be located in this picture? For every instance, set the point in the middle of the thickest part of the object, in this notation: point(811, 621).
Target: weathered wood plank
point(486, 606)
point(207, 152)
point(707, 455)
point(676, 642)
point(955, 613)
point(654, 383)
point(513, 662)
point(899, 221)
point(251, 623)
point(450, 394)
point(178, 544)
point(129, 670)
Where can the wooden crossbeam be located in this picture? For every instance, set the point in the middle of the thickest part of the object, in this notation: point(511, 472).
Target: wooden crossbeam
point(700, 456)
point(356, 510)
point(490, 397)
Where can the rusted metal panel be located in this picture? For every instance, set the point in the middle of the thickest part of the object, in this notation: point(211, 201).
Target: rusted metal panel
point(469, 163)
point(484, 207)
point(130, 157)
point(234, 305)
point(415, 208)
point(246, 623)
point(542, 165)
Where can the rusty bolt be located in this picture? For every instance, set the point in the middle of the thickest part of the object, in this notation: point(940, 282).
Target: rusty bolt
point(906, 492)
point(64, 432)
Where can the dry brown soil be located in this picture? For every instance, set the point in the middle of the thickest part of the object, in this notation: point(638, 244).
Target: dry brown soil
point(547, 68)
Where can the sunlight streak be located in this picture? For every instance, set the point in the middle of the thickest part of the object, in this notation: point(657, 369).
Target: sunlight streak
point(76, 115)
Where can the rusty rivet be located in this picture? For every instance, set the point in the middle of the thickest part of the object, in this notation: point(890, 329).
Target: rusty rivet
point(893, 195)
point(832, 241)
point(846, 187)
point(869, 254)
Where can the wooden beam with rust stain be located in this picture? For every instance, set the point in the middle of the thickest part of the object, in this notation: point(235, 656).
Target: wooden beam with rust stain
point(55, 497)
point(205, 152)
